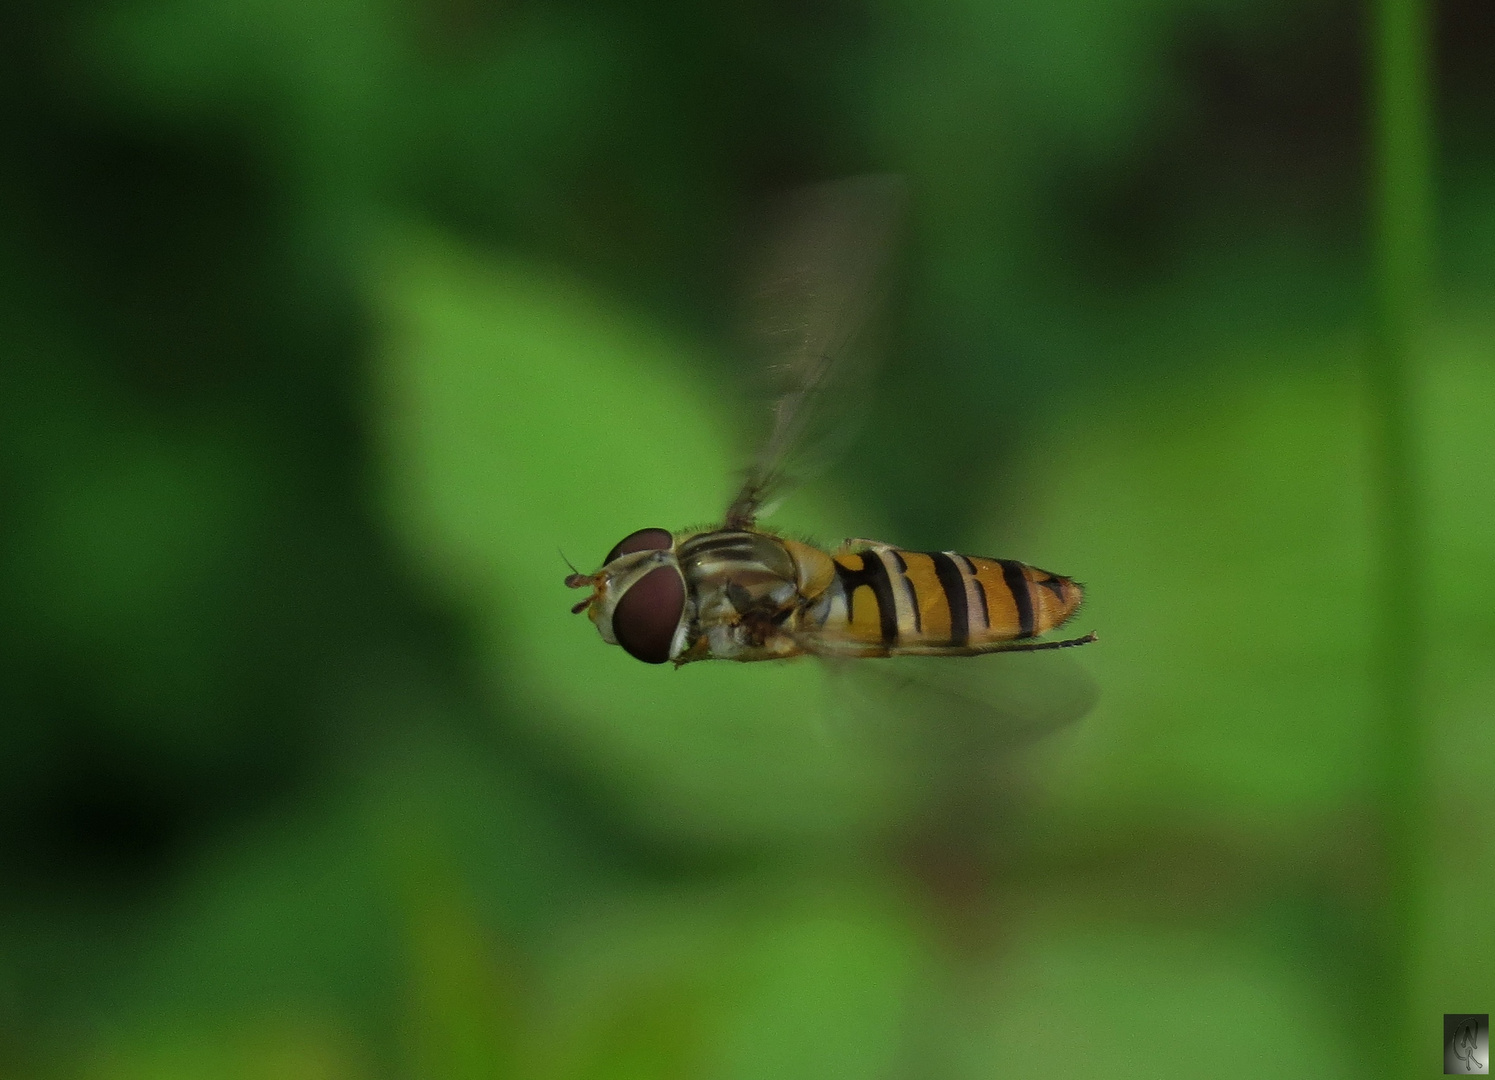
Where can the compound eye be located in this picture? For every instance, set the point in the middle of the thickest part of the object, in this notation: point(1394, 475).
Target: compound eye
point(646, 616)
point(643, 540)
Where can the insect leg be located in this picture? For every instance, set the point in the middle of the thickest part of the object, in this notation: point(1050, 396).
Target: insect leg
point(1036, 646)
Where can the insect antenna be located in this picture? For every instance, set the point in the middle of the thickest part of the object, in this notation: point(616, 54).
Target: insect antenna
point(577, 580)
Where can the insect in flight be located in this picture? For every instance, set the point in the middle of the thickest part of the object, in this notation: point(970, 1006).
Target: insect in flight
point(743, 592)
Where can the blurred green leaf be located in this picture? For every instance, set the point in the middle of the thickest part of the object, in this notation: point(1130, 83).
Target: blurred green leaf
point(1220, 527)
point(521, 413)
point(1152, 1002)
point(271, 1047)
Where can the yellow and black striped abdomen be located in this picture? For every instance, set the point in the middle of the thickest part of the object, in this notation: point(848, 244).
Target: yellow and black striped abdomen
point(887, 601)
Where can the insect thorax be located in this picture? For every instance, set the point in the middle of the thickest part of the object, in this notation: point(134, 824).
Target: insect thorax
point(746, 591)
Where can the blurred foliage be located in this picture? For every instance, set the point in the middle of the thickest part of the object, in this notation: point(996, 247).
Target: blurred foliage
point(328, 321)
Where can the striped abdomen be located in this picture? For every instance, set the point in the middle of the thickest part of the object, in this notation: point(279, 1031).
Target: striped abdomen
point(887, 601)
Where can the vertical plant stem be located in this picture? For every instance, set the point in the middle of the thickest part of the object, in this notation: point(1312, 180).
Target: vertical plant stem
point(1402, 216)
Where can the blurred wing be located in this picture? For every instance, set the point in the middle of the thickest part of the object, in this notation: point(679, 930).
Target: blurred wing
point(815, 288)
point(965, 715)
point(942, 740)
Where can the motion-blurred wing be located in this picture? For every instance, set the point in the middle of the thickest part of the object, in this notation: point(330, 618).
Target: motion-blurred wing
point(814, 289)
point(945, 738)
point(962, 713)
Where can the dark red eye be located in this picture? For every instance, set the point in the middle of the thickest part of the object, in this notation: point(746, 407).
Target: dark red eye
point(646, 616)
point(643, 540)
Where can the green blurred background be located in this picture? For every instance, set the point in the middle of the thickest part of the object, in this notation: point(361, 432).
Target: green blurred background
point(326, 321)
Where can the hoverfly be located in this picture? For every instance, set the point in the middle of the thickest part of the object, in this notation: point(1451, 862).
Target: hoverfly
point(741, 592)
